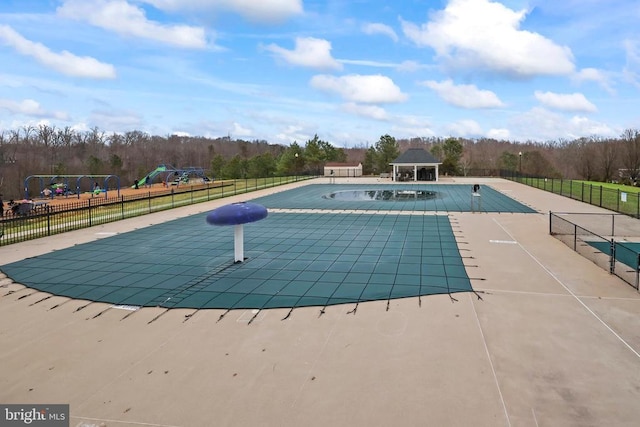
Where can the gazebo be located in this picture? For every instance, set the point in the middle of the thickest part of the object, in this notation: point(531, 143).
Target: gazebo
point(415, 164)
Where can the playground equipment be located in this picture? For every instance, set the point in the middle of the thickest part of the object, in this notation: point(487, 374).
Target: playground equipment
point(61, 185)
point(171, 175)
point(237, 214)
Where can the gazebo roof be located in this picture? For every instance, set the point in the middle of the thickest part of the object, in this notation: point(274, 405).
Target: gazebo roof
point(416, 156)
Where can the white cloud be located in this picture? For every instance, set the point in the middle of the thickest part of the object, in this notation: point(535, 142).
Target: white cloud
point(180, 133)
point(464, 96)
point(267, 11)
point(411, 126)
point(63, 62)
point(539, 124)
point(308, 52)
point(376, 28)
point(293, 133)
point(239, 131)
point(485, 34)
point(565, 101)
point(368, 63)
point(115, 120)
point(594, 75)
point(499, 134)
point(412, 132)
point(631, 69)
point(370, 111)
point(464, 128)
point(365, 89)
point(125, 19)
point(409, 66)
point(31, 108)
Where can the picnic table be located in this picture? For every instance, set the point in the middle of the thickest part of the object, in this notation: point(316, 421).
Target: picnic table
point(25, 207)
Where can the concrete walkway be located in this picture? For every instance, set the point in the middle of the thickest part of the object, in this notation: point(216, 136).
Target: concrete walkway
point(554, 341)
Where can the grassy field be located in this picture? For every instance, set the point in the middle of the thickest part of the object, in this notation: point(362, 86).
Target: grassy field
point(616, 197)
point(612, 186)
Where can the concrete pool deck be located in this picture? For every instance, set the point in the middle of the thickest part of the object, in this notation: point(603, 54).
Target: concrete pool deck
point(554, 340)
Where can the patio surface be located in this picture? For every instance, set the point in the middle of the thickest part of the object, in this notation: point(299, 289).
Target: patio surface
point(553, 340)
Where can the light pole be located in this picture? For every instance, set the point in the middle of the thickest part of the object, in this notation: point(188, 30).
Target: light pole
point(296, 166)
point(520, 167)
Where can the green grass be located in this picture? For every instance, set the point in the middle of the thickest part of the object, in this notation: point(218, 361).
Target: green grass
point(612, 186)
point(605, 195)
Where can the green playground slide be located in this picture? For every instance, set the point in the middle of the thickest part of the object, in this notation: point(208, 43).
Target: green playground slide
point(151, 175)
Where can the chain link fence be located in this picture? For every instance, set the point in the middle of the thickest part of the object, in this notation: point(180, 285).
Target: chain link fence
point(611, 241)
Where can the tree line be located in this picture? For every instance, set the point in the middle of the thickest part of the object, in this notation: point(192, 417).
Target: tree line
point(48, 150)
point(593, 159)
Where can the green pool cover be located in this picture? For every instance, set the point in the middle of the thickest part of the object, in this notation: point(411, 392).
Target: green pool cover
point(626, 252)
point(293, 259)
point(405, 197)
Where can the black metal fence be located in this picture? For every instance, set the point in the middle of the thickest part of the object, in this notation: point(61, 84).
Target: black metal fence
point(614, 253)
point(616, 200)
point(39, 219)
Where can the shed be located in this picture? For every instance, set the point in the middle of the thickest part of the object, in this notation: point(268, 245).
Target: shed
point(343, 169)
point(415, 164)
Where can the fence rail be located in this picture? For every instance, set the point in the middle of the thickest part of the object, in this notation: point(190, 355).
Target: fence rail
point(617, 256)
point(42, 220)
point(624, 202)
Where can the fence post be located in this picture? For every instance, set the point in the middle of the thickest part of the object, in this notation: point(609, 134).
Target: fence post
point(600, 204)
point(122, 205)
point(48, 210)
point(575, 237)
point(571, 189)
point(613, 225)
point(612, 259)
point(618, 201)
point(89, 200)
point(149, 200)
point(638, 273)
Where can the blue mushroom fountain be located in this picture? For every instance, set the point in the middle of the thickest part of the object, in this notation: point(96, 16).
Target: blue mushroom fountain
point(237, 214)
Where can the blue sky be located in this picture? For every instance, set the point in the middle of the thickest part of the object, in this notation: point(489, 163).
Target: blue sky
point(346, 70)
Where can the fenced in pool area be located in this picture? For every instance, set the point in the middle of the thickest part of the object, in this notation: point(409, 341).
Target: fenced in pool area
point(314, 249)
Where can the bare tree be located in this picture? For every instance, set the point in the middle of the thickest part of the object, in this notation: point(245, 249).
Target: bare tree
point(631, 158)
point(607, 154)
point(28, 131)
point(584, 155)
